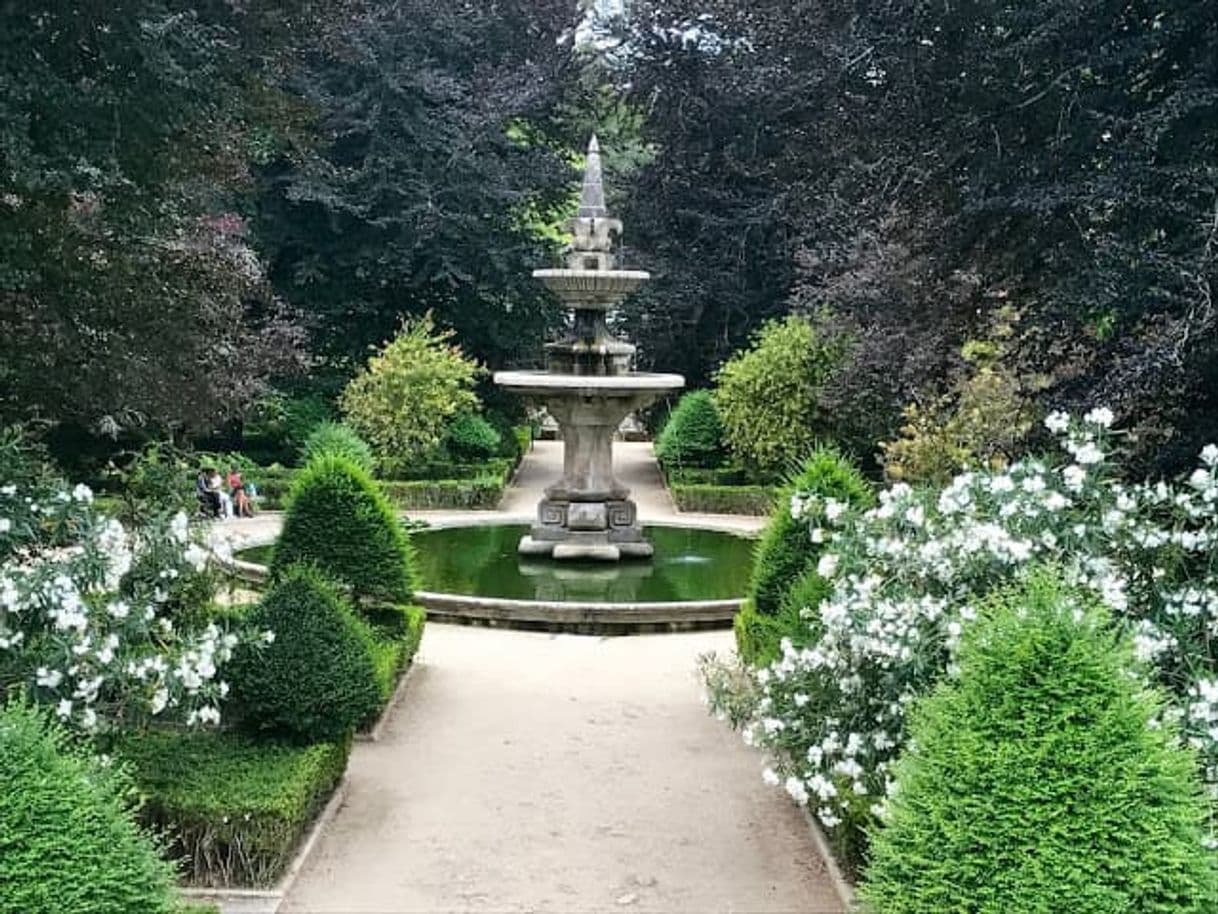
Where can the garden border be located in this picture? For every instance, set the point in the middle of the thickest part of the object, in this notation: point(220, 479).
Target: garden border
point(235, 900)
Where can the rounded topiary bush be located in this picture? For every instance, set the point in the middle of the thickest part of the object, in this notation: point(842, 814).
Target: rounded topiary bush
point(339, 520)
point(334, 439)
point(693, 434)
point(471, 438)
point(785, 550)
point(68, 839)
point(316, 679)
point(1040, 782)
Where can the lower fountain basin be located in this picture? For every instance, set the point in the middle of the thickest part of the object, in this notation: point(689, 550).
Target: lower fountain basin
point(696, 579)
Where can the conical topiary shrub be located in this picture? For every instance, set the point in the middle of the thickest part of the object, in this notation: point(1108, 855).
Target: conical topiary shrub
point(340, 521)
point(1038, 783)
point(785, 549)
point(68, 840)
point(316, 679)
point(693, 434)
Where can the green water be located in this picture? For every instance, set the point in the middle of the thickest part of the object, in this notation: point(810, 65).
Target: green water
point(482, 561)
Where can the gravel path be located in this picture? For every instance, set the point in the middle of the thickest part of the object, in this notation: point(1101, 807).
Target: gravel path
point(530, 772)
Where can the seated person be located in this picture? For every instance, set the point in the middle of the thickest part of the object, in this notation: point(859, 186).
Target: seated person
point(236, 487)
point(216, 485)
point(209, 500)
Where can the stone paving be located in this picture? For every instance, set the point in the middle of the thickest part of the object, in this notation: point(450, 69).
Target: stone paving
point(530, 772)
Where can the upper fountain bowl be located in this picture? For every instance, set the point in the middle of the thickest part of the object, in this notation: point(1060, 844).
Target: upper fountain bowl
point(592, 289)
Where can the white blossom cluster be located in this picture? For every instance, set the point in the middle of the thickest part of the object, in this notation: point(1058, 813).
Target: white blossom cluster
point(909, 574)
point(84, 613)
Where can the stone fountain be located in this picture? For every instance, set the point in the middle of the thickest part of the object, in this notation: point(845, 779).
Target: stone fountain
point(589, 388)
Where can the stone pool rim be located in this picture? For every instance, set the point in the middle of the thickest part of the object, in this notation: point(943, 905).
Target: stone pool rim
point(455, 607)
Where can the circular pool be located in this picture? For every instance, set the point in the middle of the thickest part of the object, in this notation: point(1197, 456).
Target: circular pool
point(689, 565)
point(697, 577)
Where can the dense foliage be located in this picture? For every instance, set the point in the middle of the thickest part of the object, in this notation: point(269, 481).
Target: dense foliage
point(909, 575)
point(470, 437)
point(236, 807)
point(1040, 780)
point(339, 520)
point(68, 841)
point(316, 680)
point(334, 439)
point(905, 169)
point(693, 435)
point(766, 395)
point(403, 401)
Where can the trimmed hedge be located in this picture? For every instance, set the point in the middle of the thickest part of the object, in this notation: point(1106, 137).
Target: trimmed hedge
point(236, 808)
point(415, 471)
point(1042, 780)
point(339, 520)
point(706, 476)
point(471, 437)
point(397, 641)
point(484, 492)
point(785, 549)
point(704, 499)
point(693, 434)
point(334, 439)
point(317, 680)
point(69, 843)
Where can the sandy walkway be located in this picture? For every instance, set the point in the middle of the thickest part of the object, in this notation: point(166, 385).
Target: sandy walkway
point(530, 772)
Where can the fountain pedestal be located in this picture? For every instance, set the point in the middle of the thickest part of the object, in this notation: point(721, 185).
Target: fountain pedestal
point(589, 389)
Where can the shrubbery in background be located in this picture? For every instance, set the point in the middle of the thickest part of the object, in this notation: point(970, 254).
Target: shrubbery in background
point(334, 439)
point(471, 438)
point(767, 395)
point(405, 397)
point(68, 842)
point(1042, 778)
point(693, 435)
point(339, 520)
point(316, 680)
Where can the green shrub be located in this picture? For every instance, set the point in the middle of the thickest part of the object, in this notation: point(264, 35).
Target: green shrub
point(411, 471)
point(339, 520)
point(471, 437)
point(68, 841)
point(767, 394)
point(483, 492)
point(1039, 781)
point(399, 630)
point(713, 476)
point(236, 808)
point(693, 435)
point(316, 680)
point(759, 636)
point(410, 391)
point(523, 436)
point(785, 549)
point(704, 499)
point(334, 439)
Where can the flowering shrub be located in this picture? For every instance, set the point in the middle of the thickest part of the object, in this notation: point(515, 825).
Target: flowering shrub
point(909, 574)
point(85, 612)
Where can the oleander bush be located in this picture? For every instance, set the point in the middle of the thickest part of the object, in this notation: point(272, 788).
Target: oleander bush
point(908, 575)
point(235, 808)
point(827, 483)
point(340, 520)
point(316, 680)
point(69, 843)
point(335, 439)
point(1042, 778)
point(693, 434)
point(470, 437)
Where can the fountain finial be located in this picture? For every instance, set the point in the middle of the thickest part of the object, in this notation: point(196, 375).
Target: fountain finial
point(592, 197)
point(592, 231)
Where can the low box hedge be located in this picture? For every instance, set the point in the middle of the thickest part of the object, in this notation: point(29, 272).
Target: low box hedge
point(707, 499)
point(234, 808)
point(703, 476)
point(399, 630)
point(483, 492)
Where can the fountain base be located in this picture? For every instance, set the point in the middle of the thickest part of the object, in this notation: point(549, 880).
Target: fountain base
point(590, 531)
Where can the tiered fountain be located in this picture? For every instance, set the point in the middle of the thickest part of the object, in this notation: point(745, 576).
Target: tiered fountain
point(589, 388)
